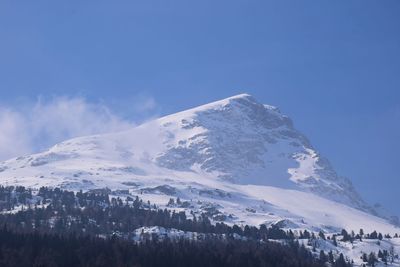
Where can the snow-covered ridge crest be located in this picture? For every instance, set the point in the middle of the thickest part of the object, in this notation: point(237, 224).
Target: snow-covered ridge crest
point(251, 143)
point(229, 145)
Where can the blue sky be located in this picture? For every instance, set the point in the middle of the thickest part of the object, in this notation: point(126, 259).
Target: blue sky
point(333, 66)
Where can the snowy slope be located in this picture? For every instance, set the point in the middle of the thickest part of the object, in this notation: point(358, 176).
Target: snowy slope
point(237, 159)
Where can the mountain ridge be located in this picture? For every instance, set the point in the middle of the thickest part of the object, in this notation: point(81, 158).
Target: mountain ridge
point(212, 155)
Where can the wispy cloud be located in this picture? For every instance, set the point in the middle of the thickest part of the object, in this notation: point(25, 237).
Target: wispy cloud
point(144, 104)
point(14, 134)
point(28, 129)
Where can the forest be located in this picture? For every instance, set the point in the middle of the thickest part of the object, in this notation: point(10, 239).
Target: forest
point(55, 227)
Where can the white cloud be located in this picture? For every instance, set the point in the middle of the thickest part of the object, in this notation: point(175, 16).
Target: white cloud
point(14, 135)
point(145, 104)
point(26, 130)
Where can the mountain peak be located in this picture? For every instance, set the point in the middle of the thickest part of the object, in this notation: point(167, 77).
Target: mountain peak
point(243, 96)
point(235, 152)
point(240, 98)
point(235, 108)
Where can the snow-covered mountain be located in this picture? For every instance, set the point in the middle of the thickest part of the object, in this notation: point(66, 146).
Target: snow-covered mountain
point(236, 159)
